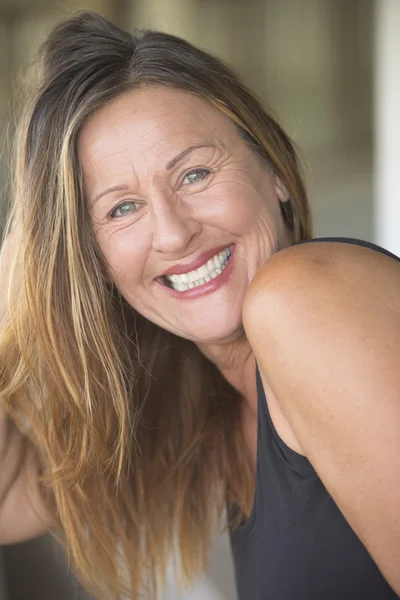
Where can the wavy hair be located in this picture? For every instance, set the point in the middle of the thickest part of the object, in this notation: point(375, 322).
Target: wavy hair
point(137, 434)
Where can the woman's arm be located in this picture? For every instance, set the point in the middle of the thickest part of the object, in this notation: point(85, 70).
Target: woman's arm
point(324, 323)
point(22, 509)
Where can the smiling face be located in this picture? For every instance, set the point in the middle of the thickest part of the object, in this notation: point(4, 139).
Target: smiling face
point(183, 210)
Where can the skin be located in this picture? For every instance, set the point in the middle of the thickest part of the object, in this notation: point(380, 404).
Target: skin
point(128, 143)
point(173, 216)
point(23, 514)
point(338, 402)
point(335, 382)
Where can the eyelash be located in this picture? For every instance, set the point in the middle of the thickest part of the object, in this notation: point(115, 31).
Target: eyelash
point(114, 210)
point(192, 171)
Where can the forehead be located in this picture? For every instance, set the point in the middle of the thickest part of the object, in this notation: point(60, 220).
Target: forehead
point(156, 119)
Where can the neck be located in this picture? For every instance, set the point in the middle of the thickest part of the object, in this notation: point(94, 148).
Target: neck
point(236, 363)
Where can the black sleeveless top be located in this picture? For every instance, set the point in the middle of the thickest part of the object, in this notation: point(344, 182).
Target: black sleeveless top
point(297, 545)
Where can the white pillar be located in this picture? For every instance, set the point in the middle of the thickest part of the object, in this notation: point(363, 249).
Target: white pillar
point(387, 124)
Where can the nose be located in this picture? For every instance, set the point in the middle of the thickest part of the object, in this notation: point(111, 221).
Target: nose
point(174, 227)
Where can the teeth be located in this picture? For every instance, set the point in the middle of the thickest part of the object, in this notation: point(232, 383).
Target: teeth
point(203, 271)
point(211, 269)
point(210, 265)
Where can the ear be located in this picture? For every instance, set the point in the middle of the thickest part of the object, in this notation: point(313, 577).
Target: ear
point(280, 189)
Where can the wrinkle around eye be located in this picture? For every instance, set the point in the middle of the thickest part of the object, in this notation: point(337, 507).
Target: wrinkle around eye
point(106, 222)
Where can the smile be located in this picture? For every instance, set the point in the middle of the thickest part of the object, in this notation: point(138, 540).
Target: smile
point(210, 270)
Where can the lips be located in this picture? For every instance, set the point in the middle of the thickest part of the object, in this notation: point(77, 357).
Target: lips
point(180, 269)
point(208, 271)
point(181, 285)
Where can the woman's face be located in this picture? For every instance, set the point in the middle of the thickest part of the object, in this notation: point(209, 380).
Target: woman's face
point(183, 210)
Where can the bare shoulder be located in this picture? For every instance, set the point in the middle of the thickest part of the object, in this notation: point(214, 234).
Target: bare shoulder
point(323, 320)
point(323, 276)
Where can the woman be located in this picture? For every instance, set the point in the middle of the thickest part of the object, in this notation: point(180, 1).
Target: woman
point(171, 350)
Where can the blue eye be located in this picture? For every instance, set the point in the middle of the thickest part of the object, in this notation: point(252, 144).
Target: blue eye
point(125, 208)
point(195, 176)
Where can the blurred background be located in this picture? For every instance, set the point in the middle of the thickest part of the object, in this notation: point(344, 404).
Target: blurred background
point(330, 70)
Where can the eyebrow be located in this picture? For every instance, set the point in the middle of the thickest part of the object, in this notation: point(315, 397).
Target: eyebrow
point(115, 188)
point(170, 165)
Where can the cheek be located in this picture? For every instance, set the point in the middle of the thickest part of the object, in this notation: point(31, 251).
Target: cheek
point(249, 211)
point(233, 204)
point(125, 255)
point(252, 212)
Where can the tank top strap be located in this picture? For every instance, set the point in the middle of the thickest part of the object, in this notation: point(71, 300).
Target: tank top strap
point(353, 241)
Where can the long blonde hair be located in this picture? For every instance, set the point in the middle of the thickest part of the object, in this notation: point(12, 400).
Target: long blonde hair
point(137, 434)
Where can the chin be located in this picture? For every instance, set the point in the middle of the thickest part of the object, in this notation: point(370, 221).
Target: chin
point(214, 332)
